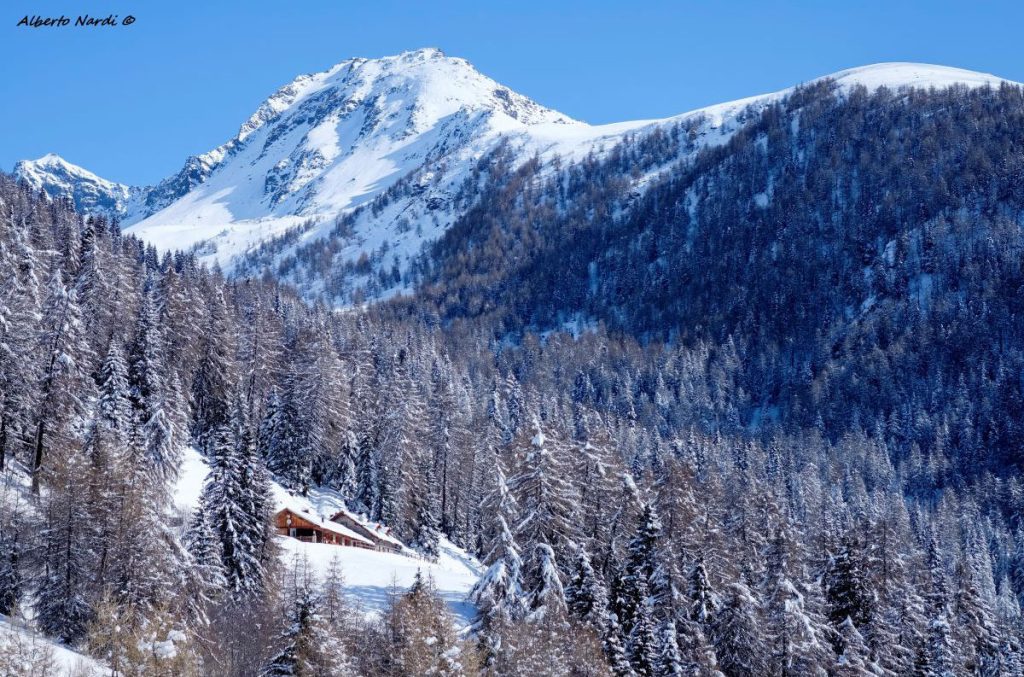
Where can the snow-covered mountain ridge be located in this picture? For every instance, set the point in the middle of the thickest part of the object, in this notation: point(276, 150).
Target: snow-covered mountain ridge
point(330, 142)
point(59, 178)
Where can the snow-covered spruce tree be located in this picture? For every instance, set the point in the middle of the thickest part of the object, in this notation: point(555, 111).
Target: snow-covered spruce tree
point(344, 471)
point(515, 407)
point(428, 510)
point(648, 598)
point(498, 595)
point(204, 550)
point(22, 273)
point(976, 633)
point(890, 552)
point(259, 353)
point(796, 636)
point(599, 474)
point(680, 512)
point(704, 601)
point(669, 660)
point(587, 600)
point(442, 436)
point(498, 510)
point(586, 594)
point(235, 506)
point(109, 439)
point(941, 656)
point(545, 595)
point(642, 645)
point(428, 533)
point(736, 633)
point(1015, 575)
point(368, 413)
point(215, 379)
point(115, 404)
point(104, 450)
point(277, 439)
point(12, 552)
point(314, 420)
point(92, 283)
point(846, 589)
point(545, 498)
point(255, 481)
point(695, 649)
point(152, 391)
point(404, 453)
point(853, 654)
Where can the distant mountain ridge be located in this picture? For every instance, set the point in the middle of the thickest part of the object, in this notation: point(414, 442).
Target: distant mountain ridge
point(411, 127)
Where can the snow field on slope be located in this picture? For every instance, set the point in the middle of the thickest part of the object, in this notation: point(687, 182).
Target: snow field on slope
point(371, 576)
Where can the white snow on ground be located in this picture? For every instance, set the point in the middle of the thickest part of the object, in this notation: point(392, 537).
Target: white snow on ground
point(32, 647)
point(192, 472)
point(369, 575)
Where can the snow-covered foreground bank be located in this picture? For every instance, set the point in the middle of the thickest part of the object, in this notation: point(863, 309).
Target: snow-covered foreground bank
point(26, 652)
point(370, 576)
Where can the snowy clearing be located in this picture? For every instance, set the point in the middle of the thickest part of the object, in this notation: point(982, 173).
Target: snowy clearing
point(369, 575)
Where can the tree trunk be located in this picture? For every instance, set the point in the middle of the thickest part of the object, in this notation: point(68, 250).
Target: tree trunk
point(3, 440)
point(37, 462)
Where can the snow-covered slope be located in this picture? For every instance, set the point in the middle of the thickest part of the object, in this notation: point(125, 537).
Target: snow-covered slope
point(903, 74)
point(416, 123)
point(370, 576)
point(36, 654)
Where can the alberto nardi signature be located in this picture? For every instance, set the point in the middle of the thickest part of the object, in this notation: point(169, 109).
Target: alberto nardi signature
point(81, 21)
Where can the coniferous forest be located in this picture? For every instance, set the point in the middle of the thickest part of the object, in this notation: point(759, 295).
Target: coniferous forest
point(763, 418)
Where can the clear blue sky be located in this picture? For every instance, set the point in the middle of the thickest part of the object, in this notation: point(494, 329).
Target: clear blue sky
point(131, 103)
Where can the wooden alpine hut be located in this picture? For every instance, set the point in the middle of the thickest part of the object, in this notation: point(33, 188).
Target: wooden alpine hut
point(310, 528)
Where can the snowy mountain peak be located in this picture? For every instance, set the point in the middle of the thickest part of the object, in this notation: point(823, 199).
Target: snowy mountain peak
point(59, 178)
point(328, 142)
point(51, 162)
point(427, 83)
